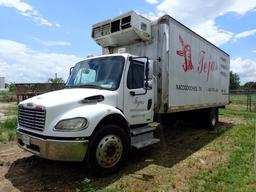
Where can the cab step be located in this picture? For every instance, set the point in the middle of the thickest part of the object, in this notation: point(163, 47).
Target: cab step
point(143, 137)
point(142, 130)
point(145, 143)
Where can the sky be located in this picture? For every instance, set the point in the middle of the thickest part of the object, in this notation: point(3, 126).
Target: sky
point(39, 38)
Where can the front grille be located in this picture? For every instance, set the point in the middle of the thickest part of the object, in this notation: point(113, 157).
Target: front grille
point(32, 118)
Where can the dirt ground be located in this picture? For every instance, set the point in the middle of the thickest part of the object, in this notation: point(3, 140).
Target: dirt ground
point(23, 172)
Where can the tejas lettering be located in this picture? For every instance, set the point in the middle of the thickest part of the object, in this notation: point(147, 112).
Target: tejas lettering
point(206, 66)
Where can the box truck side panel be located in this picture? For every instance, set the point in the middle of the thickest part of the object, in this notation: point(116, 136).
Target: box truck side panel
point(198, 71)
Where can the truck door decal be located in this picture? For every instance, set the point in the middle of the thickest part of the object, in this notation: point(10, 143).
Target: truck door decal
point(186, 53)
point(138, 102)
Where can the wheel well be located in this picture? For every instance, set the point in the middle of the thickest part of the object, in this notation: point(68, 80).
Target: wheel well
point(114, 119)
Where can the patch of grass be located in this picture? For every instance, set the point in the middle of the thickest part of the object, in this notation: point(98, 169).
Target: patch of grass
point(6, 93)
point(241, 99)
point(7, 130)
point(110, 190)
point(88, 186)
point(12, 111)
point(238, 172)
point(238, 99)
point(237, 107)
point(244, 114)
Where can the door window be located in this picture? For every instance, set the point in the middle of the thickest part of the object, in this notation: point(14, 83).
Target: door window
point(135, 78)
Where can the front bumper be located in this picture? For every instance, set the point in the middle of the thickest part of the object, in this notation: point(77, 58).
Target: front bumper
point(53, 149)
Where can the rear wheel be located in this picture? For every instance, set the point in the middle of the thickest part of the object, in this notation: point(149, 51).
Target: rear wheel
point(212, 118)
point(107, 150)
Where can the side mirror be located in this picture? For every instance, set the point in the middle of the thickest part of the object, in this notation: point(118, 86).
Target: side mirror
point(150, 69)
point(70, 70)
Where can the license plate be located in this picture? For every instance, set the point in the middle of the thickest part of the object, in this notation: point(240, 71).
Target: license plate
point(26, 139)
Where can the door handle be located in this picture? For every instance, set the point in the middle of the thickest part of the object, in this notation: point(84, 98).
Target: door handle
point(149, 104)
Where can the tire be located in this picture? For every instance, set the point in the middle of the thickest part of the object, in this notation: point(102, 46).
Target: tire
point(107, 150)
point(212, 118)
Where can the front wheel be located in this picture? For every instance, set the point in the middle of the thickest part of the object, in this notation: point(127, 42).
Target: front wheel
point(107, 150)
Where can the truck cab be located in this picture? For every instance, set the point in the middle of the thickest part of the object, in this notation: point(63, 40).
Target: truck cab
point(104, 110)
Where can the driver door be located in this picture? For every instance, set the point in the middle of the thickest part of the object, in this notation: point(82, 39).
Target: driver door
point(138, 101)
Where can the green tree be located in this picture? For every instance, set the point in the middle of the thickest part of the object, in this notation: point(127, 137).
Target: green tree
point(12, 87)
point(250, 85)
point(56, 79)
point(234, 81)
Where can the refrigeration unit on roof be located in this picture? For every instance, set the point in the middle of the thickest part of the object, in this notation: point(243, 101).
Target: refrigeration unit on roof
point(122, 30)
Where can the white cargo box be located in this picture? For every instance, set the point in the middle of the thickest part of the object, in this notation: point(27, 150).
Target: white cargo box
point(192, 73)
point(196, 70)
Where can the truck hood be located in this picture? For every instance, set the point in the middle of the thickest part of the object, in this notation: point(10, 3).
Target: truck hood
point(71, 97)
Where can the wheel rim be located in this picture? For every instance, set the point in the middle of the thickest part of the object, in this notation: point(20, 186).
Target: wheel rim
point(109, 151)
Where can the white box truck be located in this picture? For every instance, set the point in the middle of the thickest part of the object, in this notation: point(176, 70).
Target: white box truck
point(147, 69)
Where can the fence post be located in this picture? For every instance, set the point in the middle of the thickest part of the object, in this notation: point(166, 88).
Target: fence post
point(249, 101)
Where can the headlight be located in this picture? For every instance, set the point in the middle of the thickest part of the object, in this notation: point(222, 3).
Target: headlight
point(74, 124)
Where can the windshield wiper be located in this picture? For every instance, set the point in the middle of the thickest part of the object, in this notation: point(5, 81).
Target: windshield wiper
point(84, 86)
point(89, 86)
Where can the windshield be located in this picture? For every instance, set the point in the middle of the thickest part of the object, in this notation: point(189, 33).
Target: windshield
point(102, 73)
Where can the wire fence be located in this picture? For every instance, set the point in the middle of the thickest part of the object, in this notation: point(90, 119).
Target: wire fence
point(245, 99)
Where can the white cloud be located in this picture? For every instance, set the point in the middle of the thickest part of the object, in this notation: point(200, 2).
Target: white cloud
point(200, 11)
point(201, 15)
point(20, 64)
point(56, 43)
point(213, 33)
point(152, 1)
point(42, 21)
point(254, 51)
point(245, 68)
point(27, 10)
point(241, 7)
point(151, 15)
point(52, 43)
point(17, 4)
point(245, 34)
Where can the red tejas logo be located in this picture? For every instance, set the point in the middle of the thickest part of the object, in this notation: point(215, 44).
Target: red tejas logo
point(186, 53)
point(205, 66)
